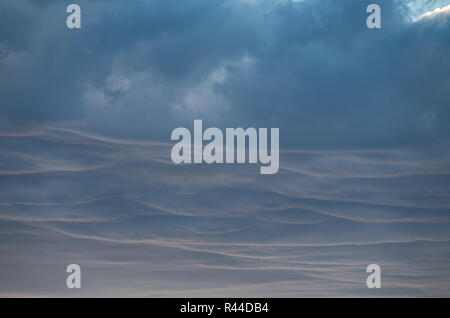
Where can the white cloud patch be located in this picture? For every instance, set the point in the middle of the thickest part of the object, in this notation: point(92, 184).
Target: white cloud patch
point(437, 13)
point(205, 98)
point(115, 84)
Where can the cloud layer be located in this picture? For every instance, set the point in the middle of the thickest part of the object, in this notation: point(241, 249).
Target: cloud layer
point(85, 170)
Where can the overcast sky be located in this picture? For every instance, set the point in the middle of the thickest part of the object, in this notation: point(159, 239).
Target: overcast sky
point(85, 169)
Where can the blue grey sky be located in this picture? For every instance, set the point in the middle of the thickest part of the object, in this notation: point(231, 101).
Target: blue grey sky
point(86, 175)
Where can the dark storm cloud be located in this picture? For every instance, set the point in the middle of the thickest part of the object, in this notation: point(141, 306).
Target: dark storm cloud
point(312, 68)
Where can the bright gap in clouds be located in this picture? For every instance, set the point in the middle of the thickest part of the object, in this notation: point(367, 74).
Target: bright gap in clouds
point(421, 8)
point(445, 11)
